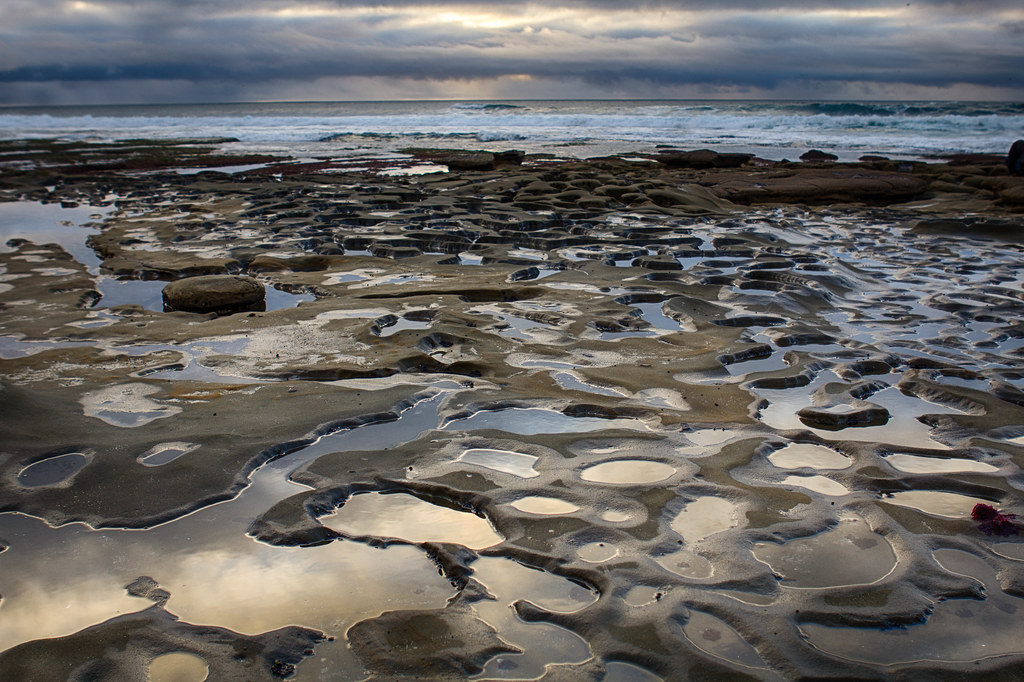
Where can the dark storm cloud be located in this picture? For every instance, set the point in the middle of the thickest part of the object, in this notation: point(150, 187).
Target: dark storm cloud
point(119, 45)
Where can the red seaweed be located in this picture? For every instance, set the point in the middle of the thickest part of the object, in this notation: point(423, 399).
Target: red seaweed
point(993, 522)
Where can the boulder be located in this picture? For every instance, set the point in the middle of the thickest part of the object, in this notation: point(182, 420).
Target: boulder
point(818, 156)
point(220, 294)
point(512, 157)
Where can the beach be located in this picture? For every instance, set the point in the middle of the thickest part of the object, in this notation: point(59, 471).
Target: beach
point(645, 411)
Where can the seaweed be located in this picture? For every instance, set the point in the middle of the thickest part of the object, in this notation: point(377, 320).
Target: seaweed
point(993, 522)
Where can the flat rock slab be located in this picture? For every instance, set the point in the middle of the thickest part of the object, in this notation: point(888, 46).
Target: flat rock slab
point(820, 186)
point(215, 294)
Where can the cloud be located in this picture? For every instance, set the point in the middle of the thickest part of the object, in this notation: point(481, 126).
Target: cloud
point(50, 49)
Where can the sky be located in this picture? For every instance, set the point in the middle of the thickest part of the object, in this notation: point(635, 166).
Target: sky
point(190, 51)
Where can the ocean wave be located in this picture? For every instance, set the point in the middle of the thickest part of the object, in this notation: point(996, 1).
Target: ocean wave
point(890, 128)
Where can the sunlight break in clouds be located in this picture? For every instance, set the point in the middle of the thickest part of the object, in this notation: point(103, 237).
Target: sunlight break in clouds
point(59, 51)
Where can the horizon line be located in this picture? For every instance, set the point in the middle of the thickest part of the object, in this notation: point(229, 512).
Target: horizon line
point(500, 100)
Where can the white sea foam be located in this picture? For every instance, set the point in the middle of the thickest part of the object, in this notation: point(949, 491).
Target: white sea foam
point(898, 129)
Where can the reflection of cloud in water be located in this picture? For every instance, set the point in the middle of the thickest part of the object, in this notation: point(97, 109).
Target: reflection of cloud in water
point(409, 518)
point(957, 629)
point(324, 587)
point(936, 503)
point(231, 582)
point(848, 554)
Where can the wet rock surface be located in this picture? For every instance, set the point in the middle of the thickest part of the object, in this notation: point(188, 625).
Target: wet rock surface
point(652, 430)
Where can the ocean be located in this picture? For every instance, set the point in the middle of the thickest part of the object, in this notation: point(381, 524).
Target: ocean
point(771, 129)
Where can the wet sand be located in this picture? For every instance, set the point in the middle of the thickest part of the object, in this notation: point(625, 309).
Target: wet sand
point(661, 416)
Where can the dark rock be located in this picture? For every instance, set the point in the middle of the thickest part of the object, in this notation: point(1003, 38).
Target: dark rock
point(702, 158)
point(657, 263)
point(471, 161)
point(974, 159)
point(147, 588)
point(394, 252)
point(1015, 158)
point(835, 421)
point(305, 263)
point(821, 186)
point(512, 157)
point(758, 352)
point(221, 294)
point(818, 156)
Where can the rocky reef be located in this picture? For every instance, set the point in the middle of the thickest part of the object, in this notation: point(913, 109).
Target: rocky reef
point(669, 415)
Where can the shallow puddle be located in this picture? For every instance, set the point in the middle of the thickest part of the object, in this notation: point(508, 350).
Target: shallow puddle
point(571, 382)
point(619, 671)
point(401, 324)
point(505, 461)
point(817, 484)
point(1010, 550)
point(643, 595)
point(799, 455)
point(543, 643)
point(145, 293)
point(849, 554)
point(126, 405)
point(661, 398)
point(178, 667)
point(53, 470)
point(714, 636)
point(345, 278)
point(391, 279)
point(544, 506)
point(709, 437)
point(916, 464)
point(12, 347)
point(165, 453)
point(597, 552)
point(687, 564)
point(52, 224)
point(618, 516)
point(936, 503)
point(627, 472)
point(404, 517)
point(704, 517)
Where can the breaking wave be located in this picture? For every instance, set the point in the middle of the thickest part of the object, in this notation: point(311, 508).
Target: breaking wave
point(883, 127)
